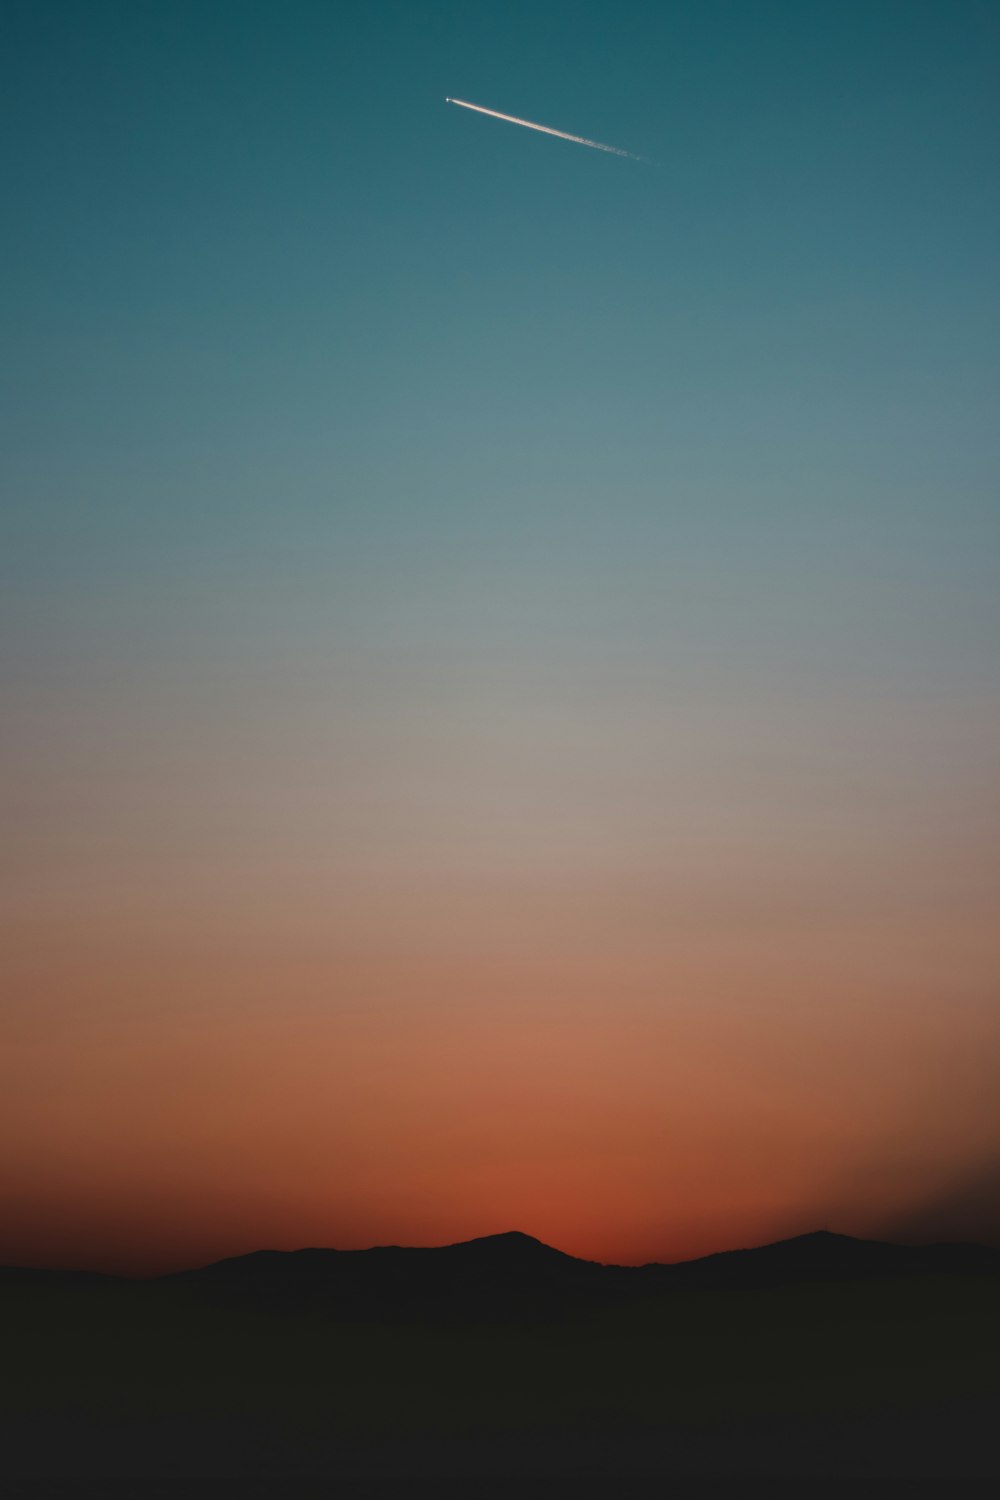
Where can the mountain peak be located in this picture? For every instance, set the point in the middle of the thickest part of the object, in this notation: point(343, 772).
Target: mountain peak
point(509, 1237)
point(509, 1245)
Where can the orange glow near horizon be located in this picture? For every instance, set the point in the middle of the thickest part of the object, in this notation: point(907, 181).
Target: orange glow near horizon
point(655, 1097)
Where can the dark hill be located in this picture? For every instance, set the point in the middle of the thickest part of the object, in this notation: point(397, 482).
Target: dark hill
point(27, 1276)
point(512, 1275)
point(503, 1274)
point(515, 1275)
point(823, 1256)
point(821, 1359)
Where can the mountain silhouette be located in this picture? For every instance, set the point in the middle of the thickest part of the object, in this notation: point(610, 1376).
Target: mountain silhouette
point(513, 1274)
point(501, 1274)
point(825, 1256)
point(815, 1356)
point(29, 1276)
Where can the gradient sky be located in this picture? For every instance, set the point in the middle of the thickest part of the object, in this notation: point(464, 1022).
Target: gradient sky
point(501, 643)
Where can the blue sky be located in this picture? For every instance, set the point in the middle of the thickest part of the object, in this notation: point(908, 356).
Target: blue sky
point(394, 495)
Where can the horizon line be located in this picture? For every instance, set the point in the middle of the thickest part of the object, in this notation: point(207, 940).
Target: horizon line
point(824, 1231)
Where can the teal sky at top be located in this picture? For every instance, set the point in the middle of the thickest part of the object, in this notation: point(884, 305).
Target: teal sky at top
point(287, 337)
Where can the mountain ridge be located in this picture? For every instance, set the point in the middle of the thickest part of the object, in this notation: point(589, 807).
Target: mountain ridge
point(819, 1244)
point(513, 1262)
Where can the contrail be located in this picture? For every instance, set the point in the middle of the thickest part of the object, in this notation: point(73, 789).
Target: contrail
point(579, 140)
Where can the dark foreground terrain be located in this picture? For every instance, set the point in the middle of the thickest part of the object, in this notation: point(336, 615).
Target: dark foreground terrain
point(822, 1359)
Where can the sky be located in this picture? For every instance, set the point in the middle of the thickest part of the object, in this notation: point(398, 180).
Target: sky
point(499, 640)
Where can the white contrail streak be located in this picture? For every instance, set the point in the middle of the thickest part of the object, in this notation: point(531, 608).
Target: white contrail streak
point(579, 140)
